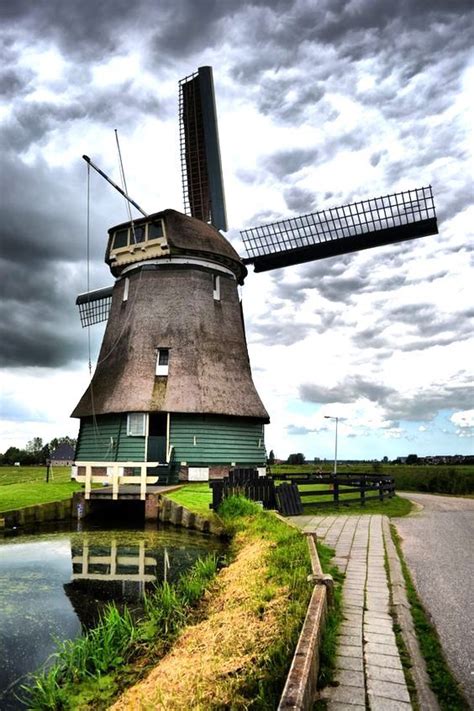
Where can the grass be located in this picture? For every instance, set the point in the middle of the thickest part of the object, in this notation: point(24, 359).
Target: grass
point(88, 672)
point(442, 681)
point(395, 506)
point(456, 480)
point(239, 654)
point(195, 497)
point(26, 486)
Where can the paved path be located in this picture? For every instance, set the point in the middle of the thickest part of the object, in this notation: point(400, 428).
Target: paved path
point(438, 544)
point(368, 664)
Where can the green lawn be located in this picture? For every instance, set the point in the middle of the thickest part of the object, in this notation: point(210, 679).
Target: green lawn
point(197, 498)
point(26, 486)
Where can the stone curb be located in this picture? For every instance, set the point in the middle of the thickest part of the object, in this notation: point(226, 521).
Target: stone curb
point(426, 698)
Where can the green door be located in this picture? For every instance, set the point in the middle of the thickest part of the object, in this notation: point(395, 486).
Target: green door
point(157, 437)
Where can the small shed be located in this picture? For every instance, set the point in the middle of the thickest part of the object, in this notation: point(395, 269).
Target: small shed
point(63, 456)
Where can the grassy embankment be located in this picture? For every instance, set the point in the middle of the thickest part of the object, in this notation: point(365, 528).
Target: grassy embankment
point(26, 486)
point(232, 651)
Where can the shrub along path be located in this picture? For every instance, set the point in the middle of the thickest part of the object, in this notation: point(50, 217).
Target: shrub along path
point(368, 667)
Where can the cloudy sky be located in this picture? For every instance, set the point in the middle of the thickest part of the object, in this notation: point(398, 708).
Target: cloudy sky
point(320, 102)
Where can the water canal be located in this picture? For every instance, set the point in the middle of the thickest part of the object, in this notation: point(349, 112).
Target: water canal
point(56, 580)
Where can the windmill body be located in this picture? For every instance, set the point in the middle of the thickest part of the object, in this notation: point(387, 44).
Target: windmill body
point(172, 388)
point(173, 392)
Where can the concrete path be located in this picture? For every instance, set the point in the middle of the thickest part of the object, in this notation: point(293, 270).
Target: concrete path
point(438, 544)
point(369, 670)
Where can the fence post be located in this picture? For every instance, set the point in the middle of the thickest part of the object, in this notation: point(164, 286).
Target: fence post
point(336, 490)
point(362, 490)
point(381, 489)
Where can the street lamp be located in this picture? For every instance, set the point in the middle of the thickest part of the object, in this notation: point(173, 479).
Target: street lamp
point(330, 417)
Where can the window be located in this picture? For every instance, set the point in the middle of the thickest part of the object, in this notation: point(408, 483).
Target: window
point(162, 360)
point(216, 286)
point(155, 230)
point(128, 238)
point(121, 239)
point(136, 424)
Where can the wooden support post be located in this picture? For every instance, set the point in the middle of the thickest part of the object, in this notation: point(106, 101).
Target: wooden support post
point(336, 491)
point(88, 481)
point(115, 482)
point(143, 482)
point(362, 489)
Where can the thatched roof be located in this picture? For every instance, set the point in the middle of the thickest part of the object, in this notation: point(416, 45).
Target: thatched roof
point(173, 307)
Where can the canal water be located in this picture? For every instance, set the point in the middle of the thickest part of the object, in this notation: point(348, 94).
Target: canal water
point(56, 581)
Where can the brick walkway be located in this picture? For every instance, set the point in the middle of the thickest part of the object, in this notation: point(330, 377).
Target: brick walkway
point(369, 672)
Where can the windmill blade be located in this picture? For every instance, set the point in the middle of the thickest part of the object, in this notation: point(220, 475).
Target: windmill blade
point(94, 306)
point(203, 188)
point(360, 225)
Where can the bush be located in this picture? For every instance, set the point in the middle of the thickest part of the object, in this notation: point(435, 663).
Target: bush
point(443, 481)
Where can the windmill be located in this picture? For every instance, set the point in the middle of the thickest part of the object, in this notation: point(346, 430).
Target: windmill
point(172, 392)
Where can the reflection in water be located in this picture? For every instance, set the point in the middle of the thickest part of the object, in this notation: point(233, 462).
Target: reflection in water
point(51, 584)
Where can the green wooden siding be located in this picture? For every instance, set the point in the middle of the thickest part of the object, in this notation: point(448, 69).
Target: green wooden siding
point(105, 440)
point(219, 440)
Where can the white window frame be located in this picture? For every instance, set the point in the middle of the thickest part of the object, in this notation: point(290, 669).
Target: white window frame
point(131, 246)
point(216, 287)
point(133, 418)
point(161, 369)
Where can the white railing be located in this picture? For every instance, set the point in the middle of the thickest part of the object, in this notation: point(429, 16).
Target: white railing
point(115, 476)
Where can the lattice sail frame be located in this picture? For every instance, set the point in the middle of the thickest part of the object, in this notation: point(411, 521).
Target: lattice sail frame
point(201, 170)
point(94, 307)
point(359, 225)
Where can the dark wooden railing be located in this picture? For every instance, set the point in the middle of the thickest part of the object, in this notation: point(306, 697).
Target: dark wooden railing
point(291, 499)
point(367, 487)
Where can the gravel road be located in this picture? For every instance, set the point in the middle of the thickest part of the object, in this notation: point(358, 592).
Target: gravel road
point(438, 544)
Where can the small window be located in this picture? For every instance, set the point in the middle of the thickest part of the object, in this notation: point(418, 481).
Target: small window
point(216, 286)
point(136, 424)
point(121, 239)
point(155, 230)
point(162, 361)
point(139, 233)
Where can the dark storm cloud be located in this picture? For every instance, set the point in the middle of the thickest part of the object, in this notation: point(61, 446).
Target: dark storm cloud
point(31, 121)
point(422, 406)
point(349, 390)
point(299, 201)
point(288, 162)
point(42, 263)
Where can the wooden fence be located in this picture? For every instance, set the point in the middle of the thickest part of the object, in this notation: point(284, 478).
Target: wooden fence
point(344, 489)
point(299, 490)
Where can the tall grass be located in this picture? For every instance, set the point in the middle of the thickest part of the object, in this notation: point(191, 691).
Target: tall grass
point(80, 666)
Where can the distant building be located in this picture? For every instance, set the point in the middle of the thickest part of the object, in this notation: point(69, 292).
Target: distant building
point(63, 456)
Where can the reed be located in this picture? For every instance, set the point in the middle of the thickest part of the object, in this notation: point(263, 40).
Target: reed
point(79, 666)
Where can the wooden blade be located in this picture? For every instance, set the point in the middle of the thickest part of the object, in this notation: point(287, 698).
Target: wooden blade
point(203, 188)
point(350, 228)
point(94, 306)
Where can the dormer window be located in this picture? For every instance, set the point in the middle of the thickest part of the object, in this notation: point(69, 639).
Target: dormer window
point(162, 360)
point(129, 238)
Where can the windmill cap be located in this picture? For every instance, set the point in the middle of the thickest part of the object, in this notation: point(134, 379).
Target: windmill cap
point(187, 235)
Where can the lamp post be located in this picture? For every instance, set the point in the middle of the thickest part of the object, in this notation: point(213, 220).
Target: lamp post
point(330, 417)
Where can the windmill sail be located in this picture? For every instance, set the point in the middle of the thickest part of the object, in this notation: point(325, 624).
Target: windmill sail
point(360, 225)
point(203, 188)
point(94, 306)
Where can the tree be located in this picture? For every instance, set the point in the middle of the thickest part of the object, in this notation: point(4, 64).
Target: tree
point(271, 457)
point(297, 458)
point(412, 459)
point(35, 445)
